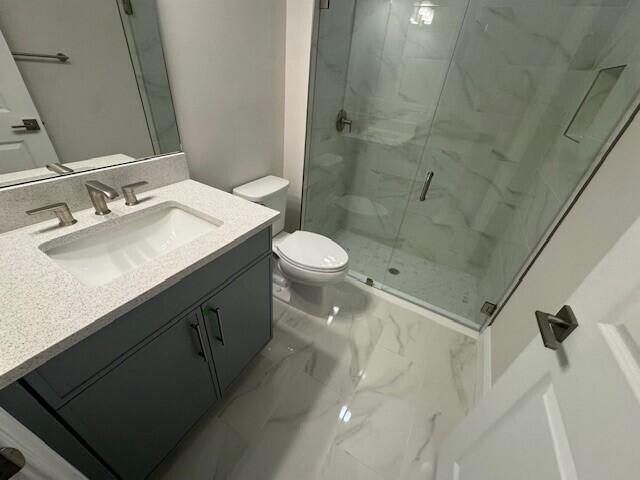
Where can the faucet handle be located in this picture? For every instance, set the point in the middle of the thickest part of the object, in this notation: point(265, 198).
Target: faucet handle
point(61, 211)
point(129, 192)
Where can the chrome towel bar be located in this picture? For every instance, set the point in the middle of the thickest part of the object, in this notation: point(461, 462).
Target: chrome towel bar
point(58, 56)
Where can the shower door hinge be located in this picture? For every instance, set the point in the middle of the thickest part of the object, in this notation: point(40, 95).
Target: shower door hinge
point(325, 4)
point(488, 308)
point(369, 281)
point(127, 6)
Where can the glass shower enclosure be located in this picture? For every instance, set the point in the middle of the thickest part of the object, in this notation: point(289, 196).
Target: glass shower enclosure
point(446, 137)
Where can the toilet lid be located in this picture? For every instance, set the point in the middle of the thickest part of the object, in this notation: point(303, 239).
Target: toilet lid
point(311, 251)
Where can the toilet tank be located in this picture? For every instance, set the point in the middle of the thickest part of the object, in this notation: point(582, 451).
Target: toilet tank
point(270, 191)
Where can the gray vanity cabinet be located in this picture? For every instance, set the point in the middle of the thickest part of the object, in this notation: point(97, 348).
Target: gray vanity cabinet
point(134, 415)
point(128, 393)
point(238, 321)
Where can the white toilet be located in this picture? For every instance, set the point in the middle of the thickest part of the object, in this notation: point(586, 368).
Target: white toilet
point(307, 262)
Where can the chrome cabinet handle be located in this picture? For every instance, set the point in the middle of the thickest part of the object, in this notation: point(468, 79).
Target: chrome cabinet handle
point(219, 317)
point(196, 327)
point(554, 329)
point(425, 186)
point(218, 313)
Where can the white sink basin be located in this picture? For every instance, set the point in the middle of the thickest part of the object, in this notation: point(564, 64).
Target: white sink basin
point(102, 256)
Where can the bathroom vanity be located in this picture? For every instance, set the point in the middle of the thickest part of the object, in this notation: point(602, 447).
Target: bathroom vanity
point(122, 367)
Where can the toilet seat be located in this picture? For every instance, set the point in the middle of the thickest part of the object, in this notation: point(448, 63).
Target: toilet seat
point(312, 252)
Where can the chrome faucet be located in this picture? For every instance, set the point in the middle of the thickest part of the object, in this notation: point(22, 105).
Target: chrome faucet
point(99, 192)
point(61, 211)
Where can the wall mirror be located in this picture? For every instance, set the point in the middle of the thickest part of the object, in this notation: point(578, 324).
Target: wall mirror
point(83, 85)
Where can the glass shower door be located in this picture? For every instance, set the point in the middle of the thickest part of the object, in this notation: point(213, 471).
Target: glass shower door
point(534, 93)
point(358, 178)
point(436, 261)
point(509, 104)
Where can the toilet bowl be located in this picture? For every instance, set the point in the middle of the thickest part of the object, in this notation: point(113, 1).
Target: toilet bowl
point(307, 263)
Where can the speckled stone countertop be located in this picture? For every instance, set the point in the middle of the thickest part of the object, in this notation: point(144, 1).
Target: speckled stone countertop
point(44, 309)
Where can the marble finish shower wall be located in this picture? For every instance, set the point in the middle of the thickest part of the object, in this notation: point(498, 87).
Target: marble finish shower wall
point(328, 167)
point(396, 72)
point(575, 41)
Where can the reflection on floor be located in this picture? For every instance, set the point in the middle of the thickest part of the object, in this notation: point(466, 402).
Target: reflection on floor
point(418, 277)
point(367, 393)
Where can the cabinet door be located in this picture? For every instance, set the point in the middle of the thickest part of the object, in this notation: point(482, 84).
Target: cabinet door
point(136, 413)
point(238, 321)
point(62, 377)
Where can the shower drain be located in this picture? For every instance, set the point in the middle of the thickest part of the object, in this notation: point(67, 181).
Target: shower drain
point(394, 271)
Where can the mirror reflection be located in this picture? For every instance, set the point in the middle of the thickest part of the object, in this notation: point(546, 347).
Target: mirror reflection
point(83, 85)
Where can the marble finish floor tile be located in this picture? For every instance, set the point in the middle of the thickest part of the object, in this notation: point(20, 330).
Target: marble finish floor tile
point(367, 392)
point(389, 374)
point(375, 429)
point(298, 435)
point(210, 451)
point(340, 465)
point(250, 403)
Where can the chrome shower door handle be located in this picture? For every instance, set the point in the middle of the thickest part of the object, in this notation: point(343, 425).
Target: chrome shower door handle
point(426, 185)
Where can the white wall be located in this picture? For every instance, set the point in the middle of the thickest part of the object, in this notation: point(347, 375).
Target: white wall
point(607, 207)
point(298, 54)
point(226, 69)
point(90, 104)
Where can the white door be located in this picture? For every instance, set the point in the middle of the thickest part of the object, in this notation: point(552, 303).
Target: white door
point(19, 150)
point(569, 414)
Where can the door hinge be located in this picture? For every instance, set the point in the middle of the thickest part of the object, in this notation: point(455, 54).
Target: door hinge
point(325, 4)
point(488, 308)
point(127, 6)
